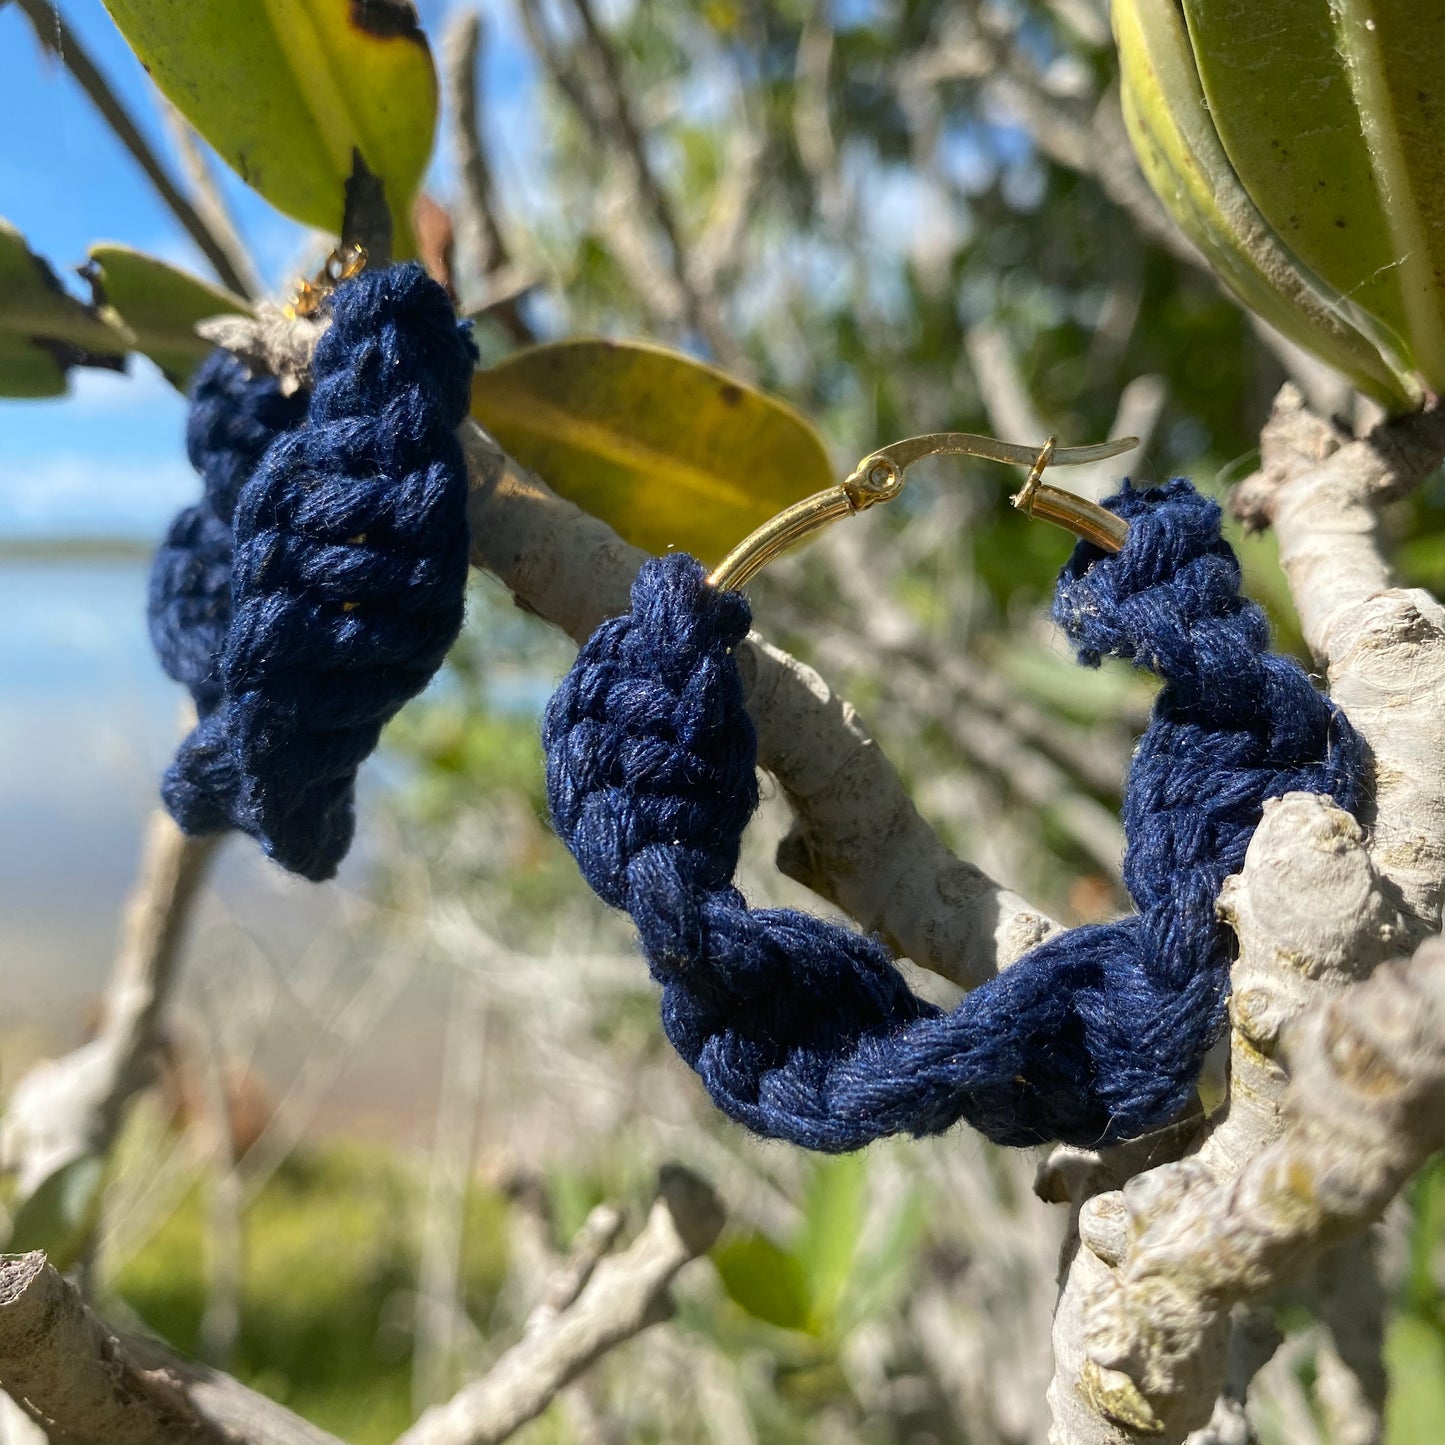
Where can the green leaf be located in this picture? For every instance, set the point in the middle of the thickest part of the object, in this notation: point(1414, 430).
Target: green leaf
point(670, 452)
point(159, 306)
point(1330, 112)
point(1173, 132)
point(1415, 1358)
point(764, 1280)
point(61, 1214)
point(44, 330)
point(290, 90)
point(833, 1214)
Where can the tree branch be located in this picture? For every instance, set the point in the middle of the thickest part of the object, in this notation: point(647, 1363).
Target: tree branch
point(598, 94)
point(1365, 1108)
point(209, 201)
point(1318, 905)
point(1312, 915)
point(480, 241)
point(60, 40)
point(74, 1106)
point(623, 1296)
point(1384, 646)
point(82, 1383)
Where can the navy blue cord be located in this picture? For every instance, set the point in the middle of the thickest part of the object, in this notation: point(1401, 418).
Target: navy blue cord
point(805, 1030)
point(233, 418)
point(347, 580)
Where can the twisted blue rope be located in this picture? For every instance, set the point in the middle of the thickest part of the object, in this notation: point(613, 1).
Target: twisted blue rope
point(804, 1030)
point(233, 418)
point(347, 579)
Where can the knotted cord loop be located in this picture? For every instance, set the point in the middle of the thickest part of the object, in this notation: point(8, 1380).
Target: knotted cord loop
point(347, 580)
point(804, 1030)
point(233, 418)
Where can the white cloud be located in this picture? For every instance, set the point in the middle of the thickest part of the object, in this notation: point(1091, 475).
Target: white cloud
point(70, 494)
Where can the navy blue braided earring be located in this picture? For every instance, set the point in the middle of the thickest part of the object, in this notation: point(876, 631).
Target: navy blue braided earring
point(321, 581)
point(805, 1030)
point(233, 418)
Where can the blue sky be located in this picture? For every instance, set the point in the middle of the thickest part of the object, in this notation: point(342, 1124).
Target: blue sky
point(108, 459)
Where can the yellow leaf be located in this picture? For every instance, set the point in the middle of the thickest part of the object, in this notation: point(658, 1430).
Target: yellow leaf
point(668, 451)
point(288, 90)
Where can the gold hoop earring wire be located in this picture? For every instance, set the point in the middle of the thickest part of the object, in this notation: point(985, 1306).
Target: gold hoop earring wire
point(879, 478)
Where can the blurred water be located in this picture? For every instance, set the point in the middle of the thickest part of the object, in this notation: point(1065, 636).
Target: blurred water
point(87, 724)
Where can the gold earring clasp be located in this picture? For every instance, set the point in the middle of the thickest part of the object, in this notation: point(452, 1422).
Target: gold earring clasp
point(341, 265)
point(879, 478)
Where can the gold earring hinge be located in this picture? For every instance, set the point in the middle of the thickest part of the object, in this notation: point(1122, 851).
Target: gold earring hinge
point(879, 478)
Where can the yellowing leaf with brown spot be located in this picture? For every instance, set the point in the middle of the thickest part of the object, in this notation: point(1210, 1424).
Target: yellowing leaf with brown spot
point(668, 451)
point(287, 91)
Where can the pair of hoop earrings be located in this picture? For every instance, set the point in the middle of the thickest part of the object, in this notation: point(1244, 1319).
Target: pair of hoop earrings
point(805, 1030)
point(320, 582)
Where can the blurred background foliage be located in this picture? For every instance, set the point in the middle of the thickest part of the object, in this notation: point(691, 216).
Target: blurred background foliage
point(900, 216)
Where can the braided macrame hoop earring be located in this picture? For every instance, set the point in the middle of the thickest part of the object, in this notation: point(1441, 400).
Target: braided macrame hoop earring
point(804, 1030)
point(321, 581)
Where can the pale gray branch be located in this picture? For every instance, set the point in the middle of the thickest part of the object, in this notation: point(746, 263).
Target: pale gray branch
point(1365, 1108)
point(867, 848)
point(1384, 646)
point(594, 1240)
point(1319, 904)
point(73, 1106)
point(84, 1384)
point(1001, 385)
point(624, 1295)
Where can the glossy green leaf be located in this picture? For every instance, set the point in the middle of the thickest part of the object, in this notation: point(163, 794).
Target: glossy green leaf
point(288, 91)
point(1173, 134)
point(44, 330)
point(764, 1280)
point(158, 306)
point(833, 1214)
point(1330, 112)
point(61, 1214)
point(670, 452)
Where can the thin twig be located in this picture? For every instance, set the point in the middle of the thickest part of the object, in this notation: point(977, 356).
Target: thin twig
point(594, 1240)
point(1001, 385)
point(220, 1325)
point(627, 135)
point(478, 231)
point(57, 37)
point(74, 1106)
point(482, 246)
point(625, 1294)
point(601, 103)
point(210, 202)
point(439, 1303)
